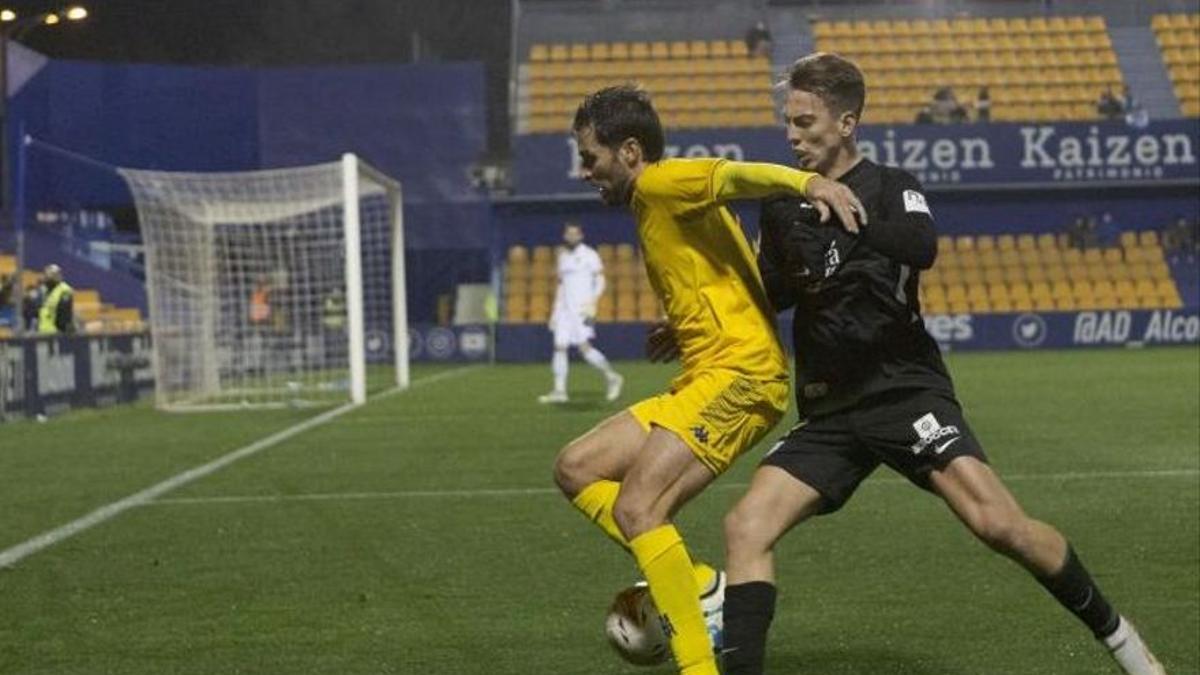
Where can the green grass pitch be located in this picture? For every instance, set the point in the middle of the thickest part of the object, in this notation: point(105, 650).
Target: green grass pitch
point(421, 534)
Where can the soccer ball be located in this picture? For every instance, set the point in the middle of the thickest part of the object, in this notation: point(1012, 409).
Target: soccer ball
point(634, 627)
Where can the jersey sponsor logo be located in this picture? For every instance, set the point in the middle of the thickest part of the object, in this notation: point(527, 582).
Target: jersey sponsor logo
point(914, 202)
point(1029, 330)
point(930, 431)
point(833, 258)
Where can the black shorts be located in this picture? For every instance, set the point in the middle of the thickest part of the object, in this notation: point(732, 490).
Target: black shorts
point(914, 431)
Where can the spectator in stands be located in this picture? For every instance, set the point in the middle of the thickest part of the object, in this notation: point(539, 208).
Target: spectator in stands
point(924, 115)
point(946, 109)
point(758, 40)
point(1180, 237)
point(1136, 115)
point(56, 314)
point(983, 105)
point(1109, 106)
point(1081, 233)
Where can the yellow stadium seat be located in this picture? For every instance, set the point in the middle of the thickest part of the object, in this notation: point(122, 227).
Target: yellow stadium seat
point(539, 53)
point(559, 53)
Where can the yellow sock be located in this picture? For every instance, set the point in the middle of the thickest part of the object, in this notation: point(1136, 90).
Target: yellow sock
point(705, 576)
point(596, 502)
point(664, 562)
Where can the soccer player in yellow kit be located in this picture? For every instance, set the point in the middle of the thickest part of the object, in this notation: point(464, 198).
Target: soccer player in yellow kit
point(632, 472)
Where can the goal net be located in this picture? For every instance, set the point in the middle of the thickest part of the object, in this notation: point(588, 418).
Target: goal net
point(273, 288)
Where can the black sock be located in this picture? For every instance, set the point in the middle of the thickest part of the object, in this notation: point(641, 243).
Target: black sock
point(749, 609)
point(1074, 589)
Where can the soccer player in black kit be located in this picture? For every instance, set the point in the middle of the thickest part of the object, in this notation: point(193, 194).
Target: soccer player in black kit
point(870, 382)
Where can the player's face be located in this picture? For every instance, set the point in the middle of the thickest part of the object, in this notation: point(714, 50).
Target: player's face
point(572, 236)
point(603, 168)
point(815, 132)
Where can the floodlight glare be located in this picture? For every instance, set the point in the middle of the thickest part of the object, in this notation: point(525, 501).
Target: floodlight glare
point(76, 13)
point(7, 15)
point(51, 19)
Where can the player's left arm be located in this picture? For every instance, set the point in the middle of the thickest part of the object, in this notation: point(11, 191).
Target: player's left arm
point(598, 286)
point(756, 180)
point(904, 231)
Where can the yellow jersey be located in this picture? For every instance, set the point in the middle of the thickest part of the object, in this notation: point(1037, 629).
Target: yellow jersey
point(702, 267)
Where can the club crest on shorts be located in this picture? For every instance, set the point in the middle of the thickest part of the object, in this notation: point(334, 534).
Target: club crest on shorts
point(930, 432)
point(700, 433)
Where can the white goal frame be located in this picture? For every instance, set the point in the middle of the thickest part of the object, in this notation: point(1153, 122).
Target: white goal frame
point(358, 181)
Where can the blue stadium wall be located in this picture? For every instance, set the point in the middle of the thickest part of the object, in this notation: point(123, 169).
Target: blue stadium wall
point(422, 124)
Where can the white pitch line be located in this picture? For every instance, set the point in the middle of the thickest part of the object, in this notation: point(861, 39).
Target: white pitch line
point(15, 554)
point(538, 492)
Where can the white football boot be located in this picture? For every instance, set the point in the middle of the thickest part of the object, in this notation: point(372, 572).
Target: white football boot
point(554, 397)
point(712, 602)
point(1130, 651)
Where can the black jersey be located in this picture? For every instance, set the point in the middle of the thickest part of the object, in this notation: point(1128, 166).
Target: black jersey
point(858, 328)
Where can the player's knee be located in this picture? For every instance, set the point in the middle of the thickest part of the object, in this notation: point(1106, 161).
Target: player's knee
point(746, 531)
point(1002, 530)
point(635, 517)
point(571, 470)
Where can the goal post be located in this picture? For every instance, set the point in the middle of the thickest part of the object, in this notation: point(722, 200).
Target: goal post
point(274, 288)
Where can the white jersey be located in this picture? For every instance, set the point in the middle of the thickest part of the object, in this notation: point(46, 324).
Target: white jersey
point(580, 280)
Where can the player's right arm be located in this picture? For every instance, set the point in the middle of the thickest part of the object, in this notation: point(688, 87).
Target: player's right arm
point(755, 180)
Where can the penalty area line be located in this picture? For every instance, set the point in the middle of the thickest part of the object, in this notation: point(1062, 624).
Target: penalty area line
point(538, 492)
point(15, 554)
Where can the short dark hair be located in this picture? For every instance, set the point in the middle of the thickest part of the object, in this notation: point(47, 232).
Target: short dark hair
point(833, 79)
point(618, 113)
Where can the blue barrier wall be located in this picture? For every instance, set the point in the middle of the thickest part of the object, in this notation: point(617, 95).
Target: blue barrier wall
point(47, 375)
point(957, 332)
point(424, 125)
point(1011, 156)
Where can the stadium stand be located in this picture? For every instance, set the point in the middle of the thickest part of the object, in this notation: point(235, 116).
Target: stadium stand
point(698, 83)
point(91, 314)
point(1178, 37)
point(1036, 68)
point(1022, 273)
point(974, 274)
point(529, 286)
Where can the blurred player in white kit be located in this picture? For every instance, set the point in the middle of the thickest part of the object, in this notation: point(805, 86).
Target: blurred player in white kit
point(580, 285)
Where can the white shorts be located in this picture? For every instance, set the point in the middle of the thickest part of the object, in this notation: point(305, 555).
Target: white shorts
point(570, 330)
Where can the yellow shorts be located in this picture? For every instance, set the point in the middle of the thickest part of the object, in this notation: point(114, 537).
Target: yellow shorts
point(718, 413)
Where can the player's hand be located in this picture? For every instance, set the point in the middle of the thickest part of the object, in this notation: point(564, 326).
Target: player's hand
point(833, 198)
point(661, 346)
point(588, 314)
